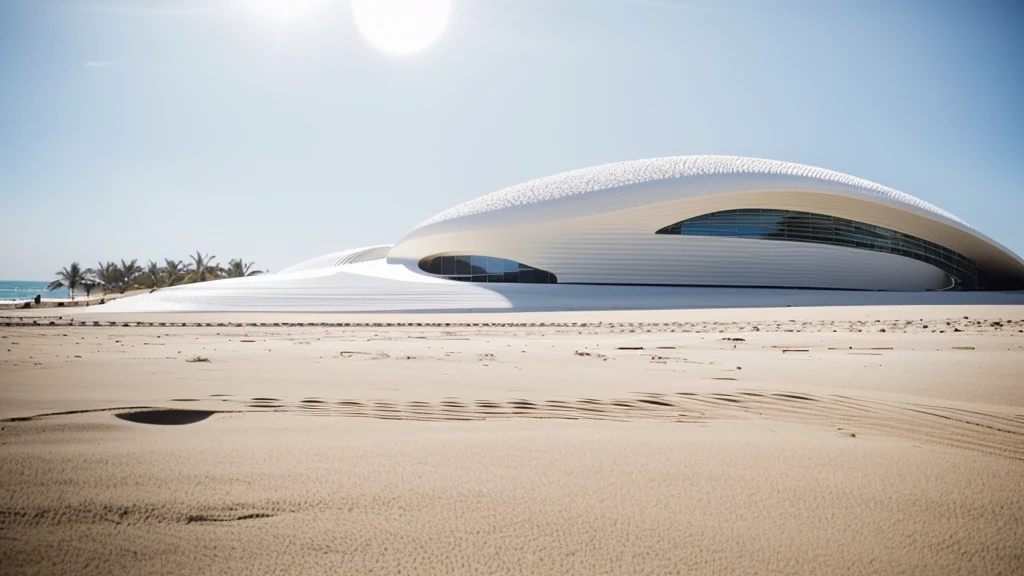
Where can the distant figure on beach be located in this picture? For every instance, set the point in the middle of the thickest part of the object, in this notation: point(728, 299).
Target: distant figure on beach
point(38, 299)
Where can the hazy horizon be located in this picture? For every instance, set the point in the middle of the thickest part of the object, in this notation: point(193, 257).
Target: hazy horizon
point(153, 129)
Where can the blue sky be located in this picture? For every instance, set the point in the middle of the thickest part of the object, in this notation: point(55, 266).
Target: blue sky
point(152, 128)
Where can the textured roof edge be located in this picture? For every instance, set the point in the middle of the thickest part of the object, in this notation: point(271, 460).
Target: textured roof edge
point(633, 172)
point(352, 256)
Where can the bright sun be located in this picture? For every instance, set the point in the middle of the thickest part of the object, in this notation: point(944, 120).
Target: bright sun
point(401, 26)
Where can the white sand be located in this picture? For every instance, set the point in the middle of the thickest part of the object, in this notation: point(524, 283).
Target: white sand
point(819, 445)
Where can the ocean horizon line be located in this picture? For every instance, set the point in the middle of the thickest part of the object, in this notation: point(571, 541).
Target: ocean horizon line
point(28, 289)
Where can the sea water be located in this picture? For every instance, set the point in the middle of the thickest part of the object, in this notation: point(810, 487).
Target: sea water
point(27, 290)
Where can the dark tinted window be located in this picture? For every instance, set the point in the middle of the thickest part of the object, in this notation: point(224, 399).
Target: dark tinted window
point(479, 264)
point(485, 269)
point(793, 226)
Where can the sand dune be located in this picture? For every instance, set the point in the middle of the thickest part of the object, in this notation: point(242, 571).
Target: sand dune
point(835, 441)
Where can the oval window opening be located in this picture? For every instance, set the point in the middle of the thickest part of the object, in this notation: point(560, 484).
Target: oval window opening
point(484, 269)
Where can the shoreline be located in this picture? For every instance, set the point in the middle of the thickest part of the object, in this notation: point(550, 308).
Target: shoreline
point(77, 302)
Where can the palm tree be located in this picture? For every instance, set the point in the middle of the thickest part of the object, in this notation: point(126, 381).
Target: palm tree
point(237, 268)
point(153, 275)
point(129, 272)
point(70, 276)
point(203, 268)
point(174, 272)
point(109, 275)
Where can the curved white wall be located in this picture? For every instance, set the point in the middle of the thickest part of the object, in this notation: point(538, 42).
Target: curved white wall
point(585, 252)
point(696, 261)
point(621, 247)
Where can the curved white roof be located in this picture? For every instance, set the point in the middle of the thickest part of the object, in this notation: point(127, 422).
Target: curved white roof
point(683, 186)
point(342, 258)
point(628, 174)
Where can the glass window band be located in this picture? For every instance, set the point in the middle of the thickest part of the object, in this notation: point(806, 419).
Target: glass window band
point(808, 227)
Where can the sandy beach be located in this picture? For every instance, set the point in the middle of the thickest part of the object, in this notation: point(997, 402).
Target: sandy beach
point(859, 440)
point(503, 288)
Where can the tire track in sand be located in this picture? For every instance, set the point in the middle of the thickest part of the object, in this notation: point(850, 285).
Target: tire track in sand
point(992, 433)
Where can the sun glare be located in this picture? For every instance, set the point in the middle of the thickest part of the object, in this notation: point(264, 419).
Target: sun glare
point(282, 11)
point(401, 26)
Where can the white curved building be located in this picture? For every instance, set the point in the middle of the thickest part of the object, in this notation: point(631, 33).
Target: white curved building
point(645, 233)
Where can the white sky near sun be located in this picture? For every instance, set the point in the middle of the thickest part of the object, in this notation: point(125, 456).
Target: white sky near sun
point(276, 132)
